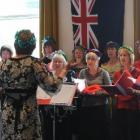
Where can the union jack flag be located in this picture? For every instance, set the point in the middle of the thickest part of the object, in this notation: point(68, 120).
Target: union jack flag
point(83, 21)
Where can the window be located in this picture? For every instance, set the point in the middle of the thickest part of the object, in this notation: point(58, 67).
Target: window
point(16, 15)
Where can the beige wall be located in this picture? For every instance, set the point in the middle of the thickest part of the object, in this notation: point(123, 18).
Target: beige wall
point(65, 25)
point(129, 23)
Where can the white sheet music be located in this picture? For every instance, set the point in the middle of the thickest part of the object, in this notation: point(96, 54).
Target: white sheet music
point(81, 83)
point(41, 94)
point(65, 95)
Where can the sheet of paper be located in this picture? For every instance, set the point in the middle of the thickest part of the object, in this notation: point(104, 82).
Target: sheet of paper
point(81, 84)
point(41, 94)
point(65, 95)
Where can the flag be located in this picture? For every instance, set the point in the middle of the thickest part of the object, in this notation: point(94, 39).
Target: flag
point(83, 18)
point(95, 22)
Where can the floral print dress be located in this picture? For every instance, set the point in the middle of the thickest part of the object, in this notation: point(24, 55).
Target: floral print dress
point(19, 78)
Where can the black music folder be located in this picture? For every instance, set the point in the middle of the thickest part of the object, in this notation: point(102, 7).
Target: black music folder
point(112, 89)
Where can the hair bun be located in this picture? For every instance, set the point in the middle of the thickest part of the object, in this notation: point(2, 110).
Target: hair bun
point(25, 38)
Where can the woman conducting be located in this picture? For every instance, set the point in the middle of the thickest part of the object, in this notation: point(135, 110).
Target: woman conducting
point(20, 77)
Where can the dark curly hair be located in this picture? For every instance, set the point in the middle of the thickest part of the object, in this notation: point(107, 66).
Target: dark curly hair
point(48, 40)
point(25, 42)
point(112, 44)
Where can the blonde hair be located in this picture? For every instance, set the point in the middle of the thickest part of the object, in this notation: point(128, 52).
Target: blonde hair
point(130, 52)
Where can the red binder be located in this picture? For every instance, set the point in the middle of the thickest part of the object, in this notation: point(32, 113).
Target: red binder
point(120, 87)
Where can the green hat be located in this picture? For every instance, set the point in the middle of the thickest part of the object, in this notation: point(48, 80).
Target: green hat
point(130, 49)
point(61, 52)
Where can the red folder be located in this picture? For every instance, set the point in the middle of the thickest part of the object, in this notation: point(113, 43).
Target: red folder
point(121, 86)
point(92, 89)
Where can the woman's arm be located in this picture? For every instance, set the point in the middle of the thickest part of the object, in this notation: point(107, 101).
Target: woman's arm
point(50, 84)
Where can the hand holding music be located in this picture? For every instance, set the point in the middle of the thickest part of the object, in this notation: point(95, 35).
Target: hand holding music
point(132, 91)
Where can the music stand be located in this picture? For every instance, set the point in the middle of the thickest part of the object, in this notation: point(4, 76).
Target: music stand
point(63, 98)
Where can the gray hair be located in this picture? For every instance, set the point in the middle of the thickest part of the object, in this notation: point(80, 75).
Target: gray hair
point(59, 56)
point(92, 53)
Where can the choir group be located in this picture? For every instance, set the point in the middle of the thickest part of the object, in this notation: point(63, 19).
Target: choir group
point(98, 116)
